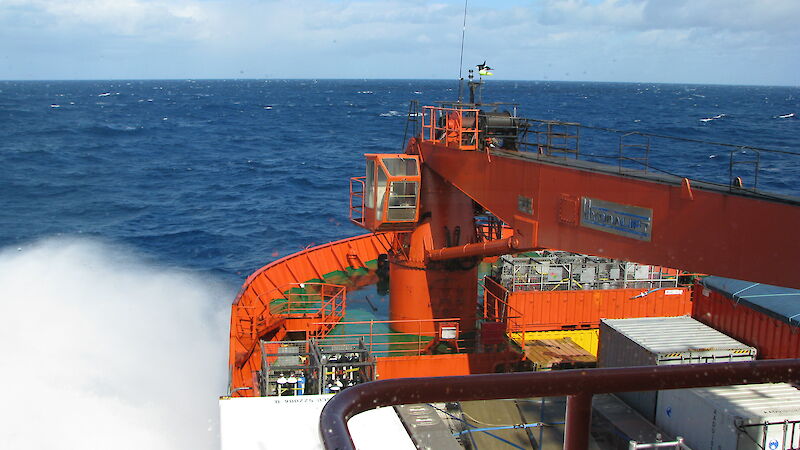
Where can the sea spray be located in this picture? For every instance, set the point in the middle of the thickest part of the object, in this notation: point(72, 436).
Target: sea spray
point(104, 350)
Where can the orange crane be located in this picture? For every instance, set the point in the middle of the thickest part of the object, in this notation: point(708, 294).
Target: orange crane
point(469, 158)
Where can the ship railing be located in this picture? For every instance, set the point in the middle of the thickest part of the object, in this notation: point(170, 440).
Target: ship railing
point(453, 127)
point(384, 341)
point(412, 123)
point(357, 205)
point(518, 329)
point(324, 301)
point(488, 228)
point(578, 385)
point(551, 137)
point(732, 167)
point(678, 444)
point(495, 302)
point(788, 429)
point(498, 314)
point(554, 326)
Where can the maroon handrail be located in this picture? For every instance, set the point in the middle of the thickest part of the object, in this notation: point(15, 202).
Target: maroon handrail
point(578, 385)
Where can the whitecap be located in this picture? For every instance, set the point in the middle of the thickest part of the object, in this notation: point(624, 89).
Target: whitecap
point(709, 119)
point(55, 106)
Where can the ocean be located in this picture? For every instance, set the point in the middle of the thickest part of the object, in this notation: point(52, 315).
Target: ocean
point(133, 210)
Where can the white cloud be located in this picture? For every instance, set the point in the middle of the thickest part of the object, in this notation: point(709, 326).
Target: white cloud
point(345, 38)
point(611, 13)
point(140, 19)
point(733, 15)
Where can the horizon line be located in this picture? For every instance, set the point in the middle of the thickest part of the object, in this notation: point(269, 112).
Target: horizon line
point(389, 79)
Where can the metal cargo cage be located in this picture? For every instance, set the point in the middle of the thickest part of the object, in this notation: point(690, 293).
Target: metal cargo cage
point(344, 364)
point(309, 367)
point(559, 270)
point(288, 368)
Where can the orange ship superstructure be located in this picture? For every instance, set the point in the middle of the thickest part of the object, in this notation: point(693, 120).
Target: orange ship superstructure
point(462, 231)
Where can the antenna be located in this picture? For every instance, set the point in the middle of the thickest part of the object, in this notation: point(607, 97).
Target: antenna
point(461, 60)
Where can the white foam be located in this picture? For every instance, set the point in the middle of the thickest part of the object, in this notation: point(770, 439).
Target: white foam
point(102, 350)
point(709, 119)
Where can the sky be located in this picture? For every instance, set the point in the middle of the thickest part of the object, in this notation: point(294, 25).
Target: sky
point(674, 41)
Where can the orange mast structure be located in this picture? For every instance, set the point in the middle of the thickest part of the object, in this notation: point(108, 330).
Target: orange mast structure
point(470, 159)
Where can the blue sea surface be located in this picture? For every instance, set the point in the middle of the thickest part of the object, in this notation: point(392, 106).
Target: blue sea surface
point(222, 177)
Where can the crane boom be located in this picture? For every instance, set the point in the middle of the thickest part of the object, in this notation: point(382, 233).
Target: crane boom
point(591, 208)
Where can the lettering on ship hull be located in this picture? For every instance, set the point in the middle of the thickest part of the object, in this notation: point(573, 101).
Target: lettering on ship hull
point(623, 220)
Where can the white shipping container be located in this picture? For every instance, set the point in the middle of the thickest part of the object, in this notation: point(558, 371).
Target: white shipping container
point(658, 341)
point(745, 417)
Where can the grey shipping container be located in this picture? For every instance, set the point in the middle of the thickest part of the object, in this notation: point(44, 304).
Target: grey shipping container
point(745, 417)
point(656, 341)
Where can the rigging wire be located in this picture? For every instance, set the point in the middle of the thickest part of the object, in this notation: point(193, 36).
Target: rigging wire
point(530, 122)
point(696, 141)
point(463, 32)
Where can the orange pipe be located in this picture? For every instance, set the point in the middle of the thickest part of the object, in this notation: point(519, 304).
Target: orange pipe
point(488, 248)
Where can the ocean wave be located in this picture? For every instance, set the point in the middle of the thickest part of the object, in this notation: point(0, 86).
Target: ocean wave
point(112, 129)
point(262, 169)
point(717, 117)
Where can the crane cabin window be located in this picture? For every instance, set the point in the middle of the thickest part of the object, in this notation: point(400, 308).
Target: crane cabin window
point(399, 167)
point(402, 201)
point(369, 182)
point(380, 193)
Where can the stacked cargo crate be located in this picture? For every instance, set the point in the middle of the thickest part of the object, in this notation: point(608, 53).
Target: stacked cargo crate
point(765, 416)
point(766, 317)
point(658, 341)
point(746, 417)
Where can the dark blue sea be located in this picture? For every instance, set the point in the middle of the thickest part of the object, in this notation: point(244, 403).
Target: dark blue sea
point(131, 211)
point(225, 176)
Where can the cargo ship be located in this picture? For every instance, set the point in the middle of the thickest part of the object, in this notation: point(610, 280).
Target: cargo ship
point(504, 261)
